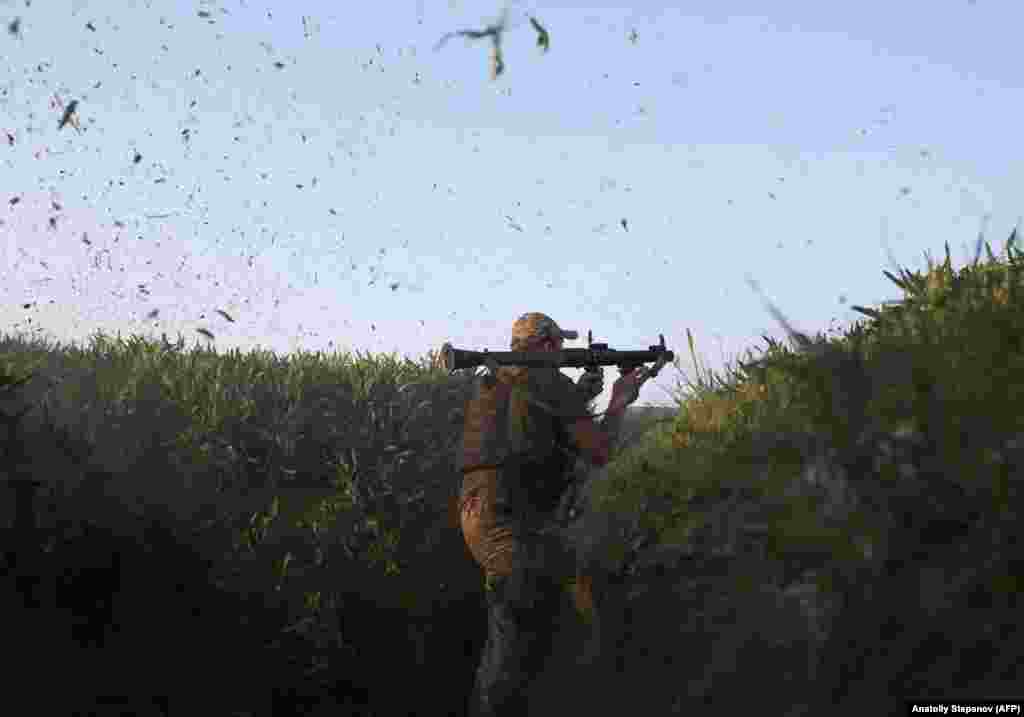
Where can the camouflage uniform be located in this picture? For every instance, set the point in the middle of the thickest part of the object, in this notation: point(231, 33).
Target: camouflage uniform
point(516, 456)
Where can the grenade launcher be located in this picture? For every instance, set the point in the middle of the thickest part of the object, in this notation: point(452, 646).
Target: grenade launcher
point(590, 358)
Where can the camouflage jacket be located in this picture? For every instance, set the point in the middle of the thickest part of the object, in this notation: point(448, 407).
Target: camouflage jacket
point(519, 423)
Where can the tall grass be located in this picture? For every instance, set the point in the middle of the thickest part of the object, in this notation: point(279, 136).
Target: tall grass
point(773, 535)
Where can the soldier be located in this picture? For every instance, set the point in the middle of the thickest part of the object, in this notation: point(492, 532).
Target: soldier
point(522, 434)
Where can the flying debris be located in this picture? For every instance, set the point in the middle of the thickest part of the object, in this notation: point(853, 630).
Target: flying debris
point(137, 158)
point(90, 26)
point(543, 39)
point(492, 31)
point(152, 314)
point(14, 200)
point(624, 226)
point(10, 138)
point(225, 315)
point(205, 333)
point(633, 37)
point(14, 27)
point(69, 116)
point(513, 224)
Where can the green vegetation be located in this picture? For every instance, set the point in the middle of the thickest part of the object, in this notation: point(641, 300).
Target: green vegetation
point(863, 470)
point(819, 528)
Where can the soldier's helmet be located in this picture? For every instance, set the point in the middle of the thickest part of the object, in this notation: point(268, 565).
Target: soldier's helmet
point(534, 327)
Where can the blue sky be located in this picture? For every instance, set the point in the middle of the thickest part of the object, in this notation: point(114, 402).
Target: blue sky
point(794, 143)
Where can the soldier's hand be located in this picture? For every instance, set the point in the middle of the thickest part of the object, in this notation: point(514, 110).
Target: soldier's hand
point(626, 389)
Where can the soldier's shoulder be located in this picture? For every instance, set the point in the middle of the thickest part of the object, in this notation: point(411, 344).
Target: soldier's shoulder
point(554, 381)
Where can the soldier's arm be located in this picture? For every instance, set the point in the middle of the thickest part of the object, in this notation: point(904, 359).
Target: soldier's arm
point(596, 440)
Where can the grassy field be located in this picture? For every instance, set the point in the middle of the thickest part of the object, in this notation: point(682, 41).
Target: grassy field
point(830, 525)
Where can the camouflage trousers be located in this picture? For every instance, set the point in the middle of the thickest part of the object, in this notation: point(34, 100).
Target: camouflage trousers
point(529, 568)
point(523, 609)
